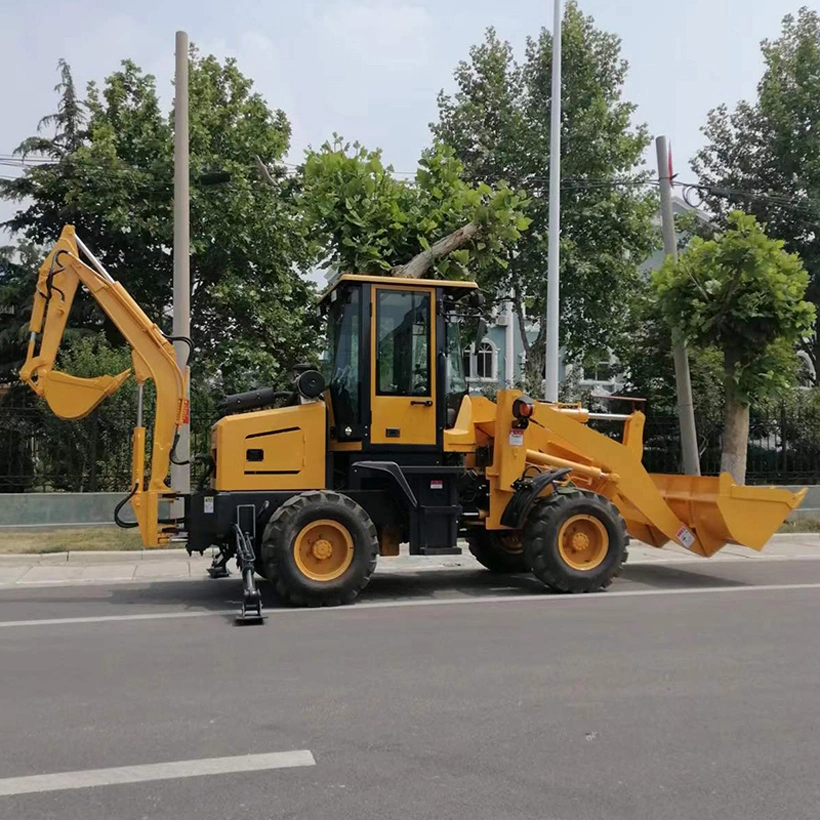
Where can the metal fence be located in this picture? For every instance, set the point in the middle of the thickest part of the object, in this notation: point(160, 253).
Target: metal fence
point(39, 452)
point(42, 453)
point(784, 444)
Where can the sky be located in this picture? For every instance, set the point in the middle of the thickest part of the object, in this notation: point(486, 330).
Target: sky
point(371, 69)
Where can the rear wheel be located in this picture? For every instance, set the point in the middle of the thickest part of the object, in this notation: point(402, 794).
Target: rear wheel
point(575, 542)
point(500, 552)
point(319, 549)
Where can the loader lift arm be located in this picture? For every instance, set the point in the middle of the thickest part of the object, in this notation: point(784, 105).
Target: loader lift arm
point(72, 397)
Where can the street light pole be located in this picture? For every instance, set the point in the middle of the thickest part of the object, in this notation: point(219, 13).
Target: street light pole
point(181, 473)
point(551, 364)
point(683, 383)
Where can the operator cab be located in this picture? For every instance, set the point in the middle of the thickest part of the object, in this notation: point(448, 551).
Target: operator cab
point(393, 360)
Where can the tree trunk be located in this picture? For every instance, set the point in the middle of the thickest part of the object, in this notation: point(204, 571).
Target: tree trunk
point(522, 328)
point(422, 262)
point(735, 430)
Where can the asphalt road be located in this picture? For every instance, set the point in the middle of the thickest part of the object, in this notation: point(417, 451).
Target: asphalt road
point(684, 692)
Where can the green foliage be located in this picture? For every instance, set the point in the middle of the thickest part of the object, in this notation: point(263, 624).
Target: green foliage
point(770, 148)
point(743, 294)
point(648, 370)
point(498, 123)
point(87, 455)
point(17, 279)
point(364, 220)
point(112, 177)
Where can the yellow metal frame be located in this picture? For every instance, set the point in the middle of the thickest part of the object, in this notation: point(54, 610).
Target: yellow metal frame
point(398, 281)
point(71, 397)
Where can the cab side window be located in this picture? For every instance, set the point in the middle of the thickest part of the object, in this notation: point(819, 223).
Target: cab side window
point(403, 343)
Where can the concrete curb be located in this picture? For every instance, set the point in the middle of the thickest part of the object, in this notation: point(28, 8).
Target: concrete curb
point(91, 557)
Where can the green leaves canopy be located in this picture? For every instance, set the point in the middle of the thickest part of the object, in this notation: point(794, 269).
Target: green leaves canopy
point(764, 156)
point(111, 174)
point(742, 293)
point(498, 123)
point(365, 220)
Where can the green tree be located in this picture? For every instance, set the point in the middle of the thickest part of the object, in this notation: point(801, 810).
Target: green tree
point(17, 278)
point(764, 157)
point(498, 123)
point(111, 174)
point(364, 220)
point(742, 293)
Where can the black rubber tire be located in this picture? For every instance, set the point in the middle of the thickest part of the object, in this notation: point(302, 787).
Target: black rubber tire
point(259, 567)
point(488, 549)
point(277, 549)
point(540, 539)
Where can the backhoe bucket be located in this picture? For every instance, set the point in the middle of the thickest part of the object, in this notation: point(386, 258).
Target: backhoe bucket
point(721, 512)
point(73, 397)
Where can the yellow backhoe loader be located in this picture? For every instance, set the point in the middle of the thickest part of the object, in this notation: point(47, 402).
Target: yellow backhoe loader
point(387, 447)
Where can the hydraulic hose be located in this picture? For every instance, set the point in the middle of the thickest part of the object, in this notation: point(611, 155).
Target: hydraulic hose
point(125, 525)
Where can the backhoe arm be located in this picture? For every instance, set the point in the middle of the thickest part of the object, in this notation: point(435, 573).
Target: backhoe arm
point(72, 397)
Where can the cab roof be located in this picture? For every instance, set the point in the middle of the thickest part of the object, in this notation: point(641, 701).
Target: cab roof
point(461, 288)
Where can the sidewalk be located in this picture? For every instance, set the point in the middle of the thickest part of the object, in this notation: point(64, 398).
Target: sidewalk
point(176, 565)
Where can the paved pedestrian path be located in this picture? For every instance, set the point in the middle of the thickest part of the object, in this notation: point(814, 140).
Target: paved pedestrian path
point(63, 568)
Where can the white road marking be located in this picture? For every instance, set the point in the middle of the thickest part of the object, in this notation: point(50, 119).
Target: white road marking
point(544, 598)
point(89, 778)
point(146, 616)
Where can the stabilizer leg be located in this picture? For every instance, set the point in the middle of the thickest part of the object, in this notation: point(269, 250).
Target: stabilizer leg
point(251, 611)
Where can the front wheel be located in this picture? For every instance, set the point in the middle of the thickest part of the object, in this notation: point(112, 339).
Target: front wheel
point(319, 549)
point(575, 542)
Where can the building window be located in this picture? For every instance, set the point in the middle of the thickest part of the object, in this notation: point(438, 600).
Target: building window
point(485, 361)
point(481, 363)
point(468, 362)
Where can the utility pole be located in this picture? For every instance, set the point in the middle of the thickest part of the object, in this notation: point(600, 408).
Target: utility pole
point(686, 410)
point(181, 474)
point(551, 364)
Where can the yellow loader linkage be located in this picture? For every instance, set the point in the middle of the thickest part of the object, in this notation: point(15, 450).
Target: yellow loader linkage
point(307, 487)
point(700, 513)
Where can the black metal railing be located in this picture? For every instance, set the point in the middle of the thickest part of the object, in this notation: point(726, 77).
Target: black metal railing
point(39, 452)
point(42, 453)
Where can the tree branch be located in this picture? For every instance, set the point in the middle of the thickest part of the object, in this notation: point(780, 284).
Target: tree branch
point(522, 328)
point(422, 262)
point(264, 172)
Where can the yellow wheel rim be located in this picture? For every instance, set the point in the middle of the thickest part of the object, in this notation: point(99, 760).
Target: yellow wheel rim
point(583, 542)
point(323, 550)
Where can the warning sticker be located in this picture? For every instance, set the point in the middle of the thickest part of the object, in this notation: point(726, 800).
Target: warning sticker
point(516, 438)
point(208, 505)
point(436, 484)
point(685, 537)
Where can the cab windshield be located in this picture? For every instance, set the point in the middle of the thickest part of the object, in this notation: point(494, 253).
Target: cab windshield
point(341, 361)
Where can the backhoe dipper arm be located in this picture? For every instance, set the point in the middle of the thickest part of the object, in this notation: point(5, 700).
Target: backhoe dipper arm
point(72, 397)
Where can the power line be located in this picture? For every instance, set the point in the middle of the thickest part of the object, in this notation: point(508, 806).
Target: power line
point(533, 183)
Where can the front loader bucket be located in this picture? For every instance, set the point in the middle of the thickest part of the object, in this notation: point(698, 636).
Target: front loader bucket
point(721, 512)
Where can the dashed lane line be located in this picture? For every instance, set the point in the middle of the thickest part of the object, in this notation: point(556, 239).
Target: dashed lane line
point(174, 770)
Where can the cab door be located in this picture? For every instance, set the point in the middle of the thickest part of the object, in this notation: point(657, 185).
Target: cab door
point(403, 372)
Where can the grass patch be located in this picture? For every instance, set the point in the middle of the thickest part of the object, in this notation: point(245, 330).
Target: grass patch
point(65, 539)
point(801, 525)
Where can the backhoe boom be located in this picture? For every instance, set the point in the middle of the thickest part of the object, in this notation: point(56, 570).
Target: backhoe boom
point(71, 397)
